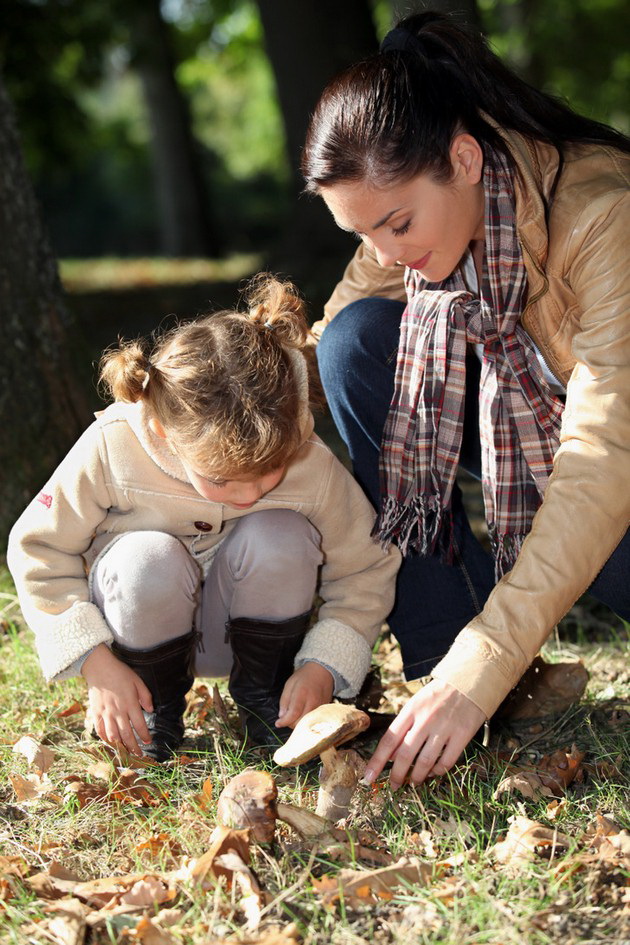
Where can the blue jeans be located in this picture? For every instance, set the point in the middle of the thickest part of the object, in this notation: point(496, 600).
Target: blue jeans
point(357, 360)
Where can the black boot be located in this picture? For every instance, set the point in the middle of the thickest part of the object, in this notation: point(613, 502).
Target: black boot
point(167, 671)
point(264, 651)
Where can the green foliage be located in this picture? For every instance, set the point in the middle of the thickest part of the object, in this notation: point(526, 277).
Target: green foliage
point(578, 50)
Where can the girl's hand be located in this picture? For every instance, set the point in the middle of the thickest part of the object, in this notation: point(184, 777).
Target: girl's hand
point(310, 686)
point(117, 697)
point(433, 729)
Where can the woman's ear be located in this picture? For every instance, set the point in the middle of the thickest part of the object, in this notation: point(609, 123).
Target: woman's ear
point(466, 158)
point(156, 427)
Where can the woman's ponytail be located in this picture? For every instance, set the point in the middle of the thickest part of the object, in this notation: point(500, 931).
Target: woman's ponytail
point(394, 115)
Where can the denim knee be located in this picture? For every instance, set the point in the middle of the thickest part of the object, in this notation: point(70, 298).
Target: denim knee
point(365, 327)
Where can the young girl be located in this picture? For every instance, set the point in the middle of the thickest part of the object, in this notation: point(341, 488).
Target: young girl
point(507, 216)
point(186, 531)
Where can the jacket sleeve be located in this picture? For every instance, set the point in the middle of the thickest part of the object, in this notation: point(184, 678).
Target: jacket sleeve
point(357, 579)
point(586, 509)
point(363, 278)
point(45, 552)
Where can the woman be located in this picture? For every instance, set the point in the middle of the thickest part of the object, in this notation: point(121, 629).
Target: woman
point(511, 217)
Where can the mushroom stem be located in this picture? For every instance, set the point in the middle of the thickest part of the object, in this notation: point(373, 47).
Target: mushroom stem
point(337, 783)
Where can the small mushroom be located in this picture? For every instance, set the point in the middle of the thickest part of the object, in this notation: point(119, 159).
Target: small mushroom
point(249, 800)
point(320, 732)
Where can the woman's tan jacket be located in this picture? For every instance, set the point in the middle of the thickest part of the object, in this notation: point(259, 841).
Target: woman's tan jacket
point(120, 477)
point(576, 249)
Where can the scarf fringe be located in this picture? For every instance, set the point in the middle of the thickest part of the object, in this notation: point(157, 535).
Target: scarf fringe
point(505, 549)
point(421, 526)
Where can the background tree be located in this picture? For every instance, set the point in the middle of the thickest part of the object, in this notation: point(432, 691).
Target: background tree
point(43, 406)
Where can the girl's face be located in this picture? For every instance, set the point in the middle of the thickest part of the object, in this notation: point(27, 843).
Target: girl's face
point(242, 492)
point(422, 224)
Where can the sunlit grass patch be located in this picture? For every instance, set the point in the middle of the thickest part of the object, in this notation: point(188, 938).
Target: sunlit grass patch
point(112, 273)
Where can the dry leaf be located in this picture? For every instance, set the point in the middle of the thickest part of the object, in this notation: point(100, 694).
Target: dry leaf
point(73, 709)
point(149, 932)
point(204, 799)
point(148, 891)
point(222, 840)
point(252, 899)
point(558, 770)
point(30, 787)
point(66, 925)
point(525, 840)
point(527, 783)
point(37, 755)
point(545, 689)
point(336, 842)
point(361, 887)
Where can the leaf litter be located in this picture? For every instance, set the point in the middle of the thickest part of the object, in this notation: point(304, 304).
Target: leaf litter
point(144, 904)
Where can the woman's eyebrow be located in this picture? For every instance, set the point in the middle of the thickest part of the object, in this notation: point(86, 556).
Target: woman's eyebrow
point(384, 219)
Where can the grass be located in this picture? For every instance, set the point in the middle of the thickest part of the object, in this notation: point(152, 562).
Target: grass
point(113, 273)
point(452, 823)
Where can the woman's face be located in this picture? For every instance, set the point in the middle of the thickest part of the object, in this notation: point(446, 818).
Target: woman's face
point(422, 224)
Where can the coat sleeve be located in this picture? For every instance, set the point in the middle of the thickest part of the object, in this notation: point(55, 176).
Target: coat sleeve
point(363, 278)
point(586, 509)
point(357, 579)
point(45, 557)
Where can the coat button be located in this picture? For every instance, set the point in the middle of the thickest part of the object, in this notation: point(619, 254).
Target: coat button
point(203, 526)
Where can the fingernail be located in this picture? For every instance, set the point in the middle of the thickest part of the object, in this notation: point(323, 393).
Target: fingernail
point(395, 785)
point(368, 776)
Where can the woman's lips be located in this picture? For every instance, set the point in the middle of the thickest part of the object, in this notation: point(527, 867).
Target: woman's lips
point(419, 263)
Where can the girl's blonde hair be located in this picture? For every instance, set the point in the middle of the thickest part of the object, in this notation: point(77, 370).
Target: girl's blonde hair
point(225, 387)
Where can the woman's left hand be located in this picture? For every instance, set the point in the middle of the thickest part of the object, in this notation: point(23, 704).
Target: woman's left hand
point(310, 686)
point(428, 735)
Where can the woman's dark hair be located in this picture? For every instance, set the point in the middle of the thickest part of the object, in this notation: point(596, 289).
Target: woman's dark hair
point(394, 115)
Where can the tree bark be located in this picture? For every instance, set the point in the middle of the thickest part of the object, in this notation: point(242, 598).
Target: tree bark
point(182, 200)
point(307, 44)
point(43, 405)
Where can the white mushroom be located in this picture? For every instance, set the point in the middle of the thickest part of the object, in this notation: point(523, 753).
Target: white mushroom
point(320, 732)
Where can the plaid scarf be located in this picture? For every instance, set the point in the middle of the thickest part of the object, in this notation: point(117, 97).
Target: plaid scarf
point(519, 418)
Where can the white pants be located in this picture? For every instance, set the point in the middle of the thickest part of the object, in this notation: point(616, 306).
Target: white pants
point(149, 587)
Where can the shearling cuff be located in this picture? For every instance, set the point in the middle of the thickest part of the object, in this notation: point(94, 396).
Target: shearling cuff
point(69, 636)
point(342, 649)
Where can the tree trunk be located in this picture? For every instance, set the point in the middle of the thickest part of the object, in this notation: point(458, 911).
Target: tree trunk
point(182, 200)
point(308, 43)
point(43, 407)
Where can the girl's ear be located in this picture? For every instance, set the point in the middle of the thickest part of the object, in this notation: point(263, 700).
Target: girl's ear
point(156, 427)
point(466, 158)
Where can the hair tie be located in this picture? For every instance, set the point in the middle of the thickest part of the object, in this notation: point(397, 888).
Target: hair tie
point(145, 382)
point(269, 325)
point(402, 40)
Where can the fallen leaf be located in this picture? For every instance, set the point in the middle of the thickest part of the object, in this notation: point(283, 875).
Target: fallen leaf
point(361, 887)
point(556, 808)
point(545, 689)
point(222, 840)
point(527, 783)
point(204, 800)
point(252, 899)
point(149, 931)
point(65, 922)
point(526, 840)
point(558, 770)
point(72, 709)
point(37, 755)
point(31, 787)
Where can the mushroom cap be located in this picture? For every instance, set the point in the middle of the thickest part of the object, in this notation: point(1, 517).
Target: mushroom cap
point(325, 727)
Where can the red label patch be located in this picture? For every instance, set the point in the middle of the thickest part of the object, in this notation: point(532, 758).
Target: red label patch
point(45, 499)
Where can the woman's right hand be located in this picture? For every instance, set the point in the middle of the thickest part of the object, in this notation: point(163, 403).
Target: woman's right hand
point(117, 697)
